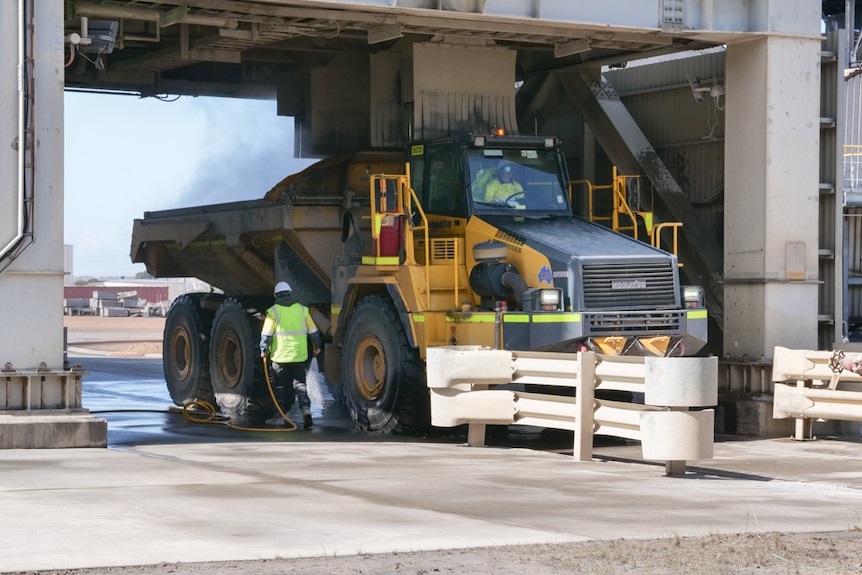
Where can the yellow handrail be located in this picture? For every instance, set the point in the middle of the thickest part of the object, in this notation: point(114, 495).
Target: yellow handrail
point(621, 205)
point(656, 237)
point(406, 201)
point(411, 198)
point(590, 189)
point(618, 189)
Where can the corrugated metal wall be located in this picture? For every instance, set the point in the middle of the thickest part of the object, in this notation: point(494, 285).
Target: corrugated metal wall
point(692, 145)
point(460, 89)
point(570, 131)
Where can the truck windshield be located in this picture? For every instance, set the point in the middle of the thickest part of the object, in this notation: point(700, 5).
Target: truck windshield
point(516, 179)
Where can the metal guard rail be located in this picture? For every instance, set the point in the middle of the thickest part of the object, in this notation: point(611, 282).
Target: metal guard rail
point(816, 394)
point(480, 386)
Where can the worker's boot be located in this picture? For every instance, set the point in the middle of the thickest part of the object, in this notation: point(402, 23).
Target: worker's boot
point(306, 420)
point(277, 421)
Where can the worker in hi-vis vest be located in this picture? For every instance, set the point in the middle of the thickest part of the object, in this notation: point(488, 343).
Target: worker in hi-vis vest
point(284, 340)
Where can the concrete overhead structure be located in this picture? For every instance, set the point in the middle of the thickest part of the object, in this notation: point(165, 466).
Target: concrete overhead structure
point(375, 73)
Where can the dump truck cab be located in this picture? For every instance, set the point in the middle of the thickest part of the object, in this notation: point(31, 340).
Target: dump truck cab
point(511, 192)
point(490, 175)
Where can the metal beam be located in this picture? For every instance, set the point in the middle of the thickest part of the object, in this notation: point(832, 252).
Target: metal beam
point(688, 17)
point(572, 48)
point(180, 15)
point(114, 12)
point(496, 18)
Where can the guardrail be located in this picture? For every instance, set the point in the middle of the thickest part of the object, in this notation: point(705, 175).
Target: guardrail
point(481, 386)
point(815, 395)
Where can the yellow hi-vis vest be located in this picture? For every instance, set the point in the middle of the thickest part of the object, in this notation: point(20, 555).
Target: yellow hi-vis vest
point(289, 327)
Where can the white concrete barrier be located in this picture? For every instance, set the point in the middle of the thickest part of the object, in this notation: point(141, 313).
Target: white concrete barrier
point(480, 386)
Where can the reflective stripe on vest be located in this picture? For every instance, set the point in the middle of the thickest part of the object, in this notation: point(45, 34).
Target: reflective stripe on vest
point(289, 341)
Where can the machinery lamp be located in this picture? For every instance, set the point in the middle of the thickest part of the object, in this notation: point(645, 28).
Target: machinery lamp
point(693, 296)
point(479, 141)
point(543, 299)
point(549, 298)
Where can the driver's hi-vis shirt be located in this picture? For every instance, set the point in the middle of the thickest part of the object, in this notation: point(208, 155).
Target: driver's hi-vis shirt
point(497, 190)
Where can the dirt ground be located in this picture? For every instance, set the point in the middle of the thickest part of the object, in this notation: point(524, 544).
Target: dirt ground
point(115, 336)
point(748, 553)
point(838, 553)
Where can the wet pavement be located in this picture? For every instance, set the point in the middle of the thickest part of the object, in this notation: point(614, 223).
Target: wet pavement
point(167, 490)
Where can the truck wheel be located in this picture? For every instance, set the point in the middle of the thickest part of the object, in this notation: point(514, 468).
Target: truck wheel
point(232, 358)
point(384, 378)
point(185, 349)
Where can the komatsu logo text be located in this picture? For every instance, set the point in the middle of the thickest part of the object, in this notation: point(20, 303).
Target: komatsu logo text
point(628, 284)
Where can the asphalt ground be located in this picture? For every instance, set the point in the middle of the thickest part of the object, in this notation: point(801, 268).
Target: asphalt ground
point(167, 490)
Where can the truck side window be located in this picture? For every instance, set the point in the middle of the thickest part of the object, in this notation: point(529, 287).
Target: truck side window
point(386, 196)
point(446, 187)
point(417, 176)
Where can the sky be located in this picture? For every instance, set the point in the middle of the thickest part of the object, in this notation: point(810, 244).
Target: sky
point(125, 155)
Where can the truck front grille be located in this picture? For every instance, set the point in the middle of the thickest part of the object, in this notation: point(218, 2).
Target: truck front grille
point(639, 323)
point(629, 286)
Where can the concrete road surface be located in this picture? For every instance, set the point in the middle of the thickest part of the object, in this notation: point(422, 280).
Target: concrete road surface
point(164, 498)
point(236, 501)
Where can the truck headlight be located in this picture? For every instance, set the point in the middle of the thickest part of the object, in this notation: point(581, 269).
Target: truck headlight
point(550, 298)
point(543, 299)
point(693, 296)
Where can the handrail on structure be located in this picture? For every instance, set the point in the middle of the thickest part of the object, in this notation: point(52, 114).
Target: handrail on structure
point(674, 240)
point(621, 206)
point(852, 165)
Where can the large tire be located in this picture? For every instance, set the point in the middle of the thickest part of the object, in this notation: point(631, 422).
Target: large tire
point(185, 350)
point(233, 355)
point(384, 378)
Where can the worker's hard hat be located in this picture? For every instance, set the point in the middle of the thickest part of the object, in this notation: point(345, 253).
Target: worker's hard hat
point(282, 287)
point(506, 166)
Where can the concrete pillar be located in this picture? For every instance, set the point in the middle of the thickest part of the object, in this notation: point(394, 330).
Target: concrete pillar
point(40, 404)
point(771, 195)
point(31, 289)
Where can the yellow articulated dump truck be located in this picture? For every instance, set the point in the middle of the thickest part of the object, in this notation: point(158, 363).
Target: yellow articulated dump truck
point(465, 241)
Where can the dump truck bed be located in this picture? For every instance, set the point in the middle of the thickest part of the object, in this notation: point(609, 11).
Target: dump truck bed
point(294, 234)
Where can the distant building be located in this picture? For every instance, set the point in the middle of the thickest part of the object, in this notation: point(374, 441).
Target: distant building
point(125, 297)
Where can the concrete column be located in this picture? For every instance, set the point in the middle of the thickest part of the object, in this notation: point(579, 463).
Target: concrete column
point(31, 289)
point(771, 195)
point(41, 405)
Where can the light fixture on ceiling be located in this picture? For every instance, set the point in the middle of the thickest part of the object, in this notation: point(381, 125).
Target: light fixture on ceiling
point(98, 36)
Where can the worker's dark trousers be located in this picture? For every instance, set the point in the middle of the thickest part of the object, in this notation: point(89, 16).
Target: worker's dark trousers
point(283, 376)
point(301, 390)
